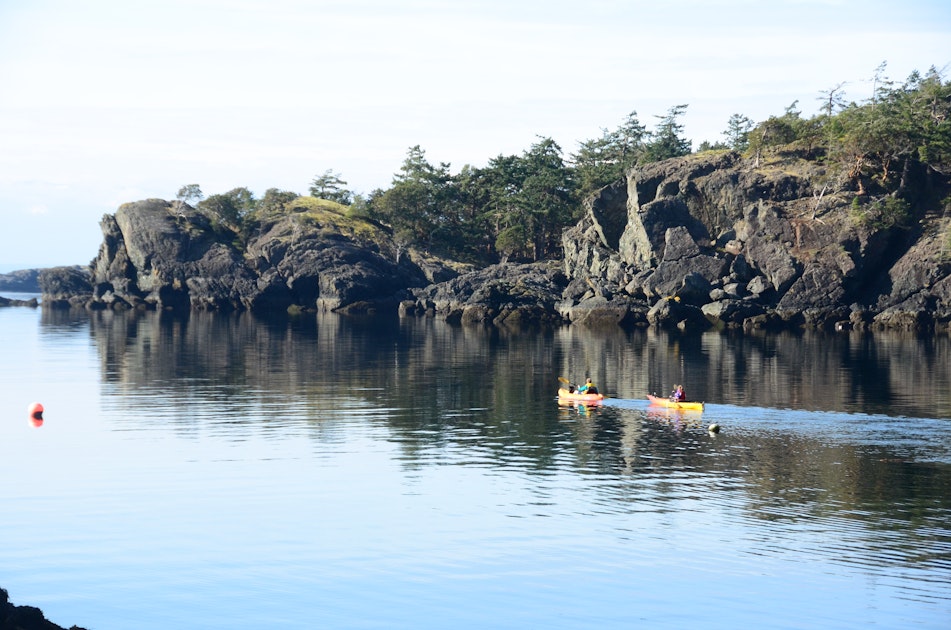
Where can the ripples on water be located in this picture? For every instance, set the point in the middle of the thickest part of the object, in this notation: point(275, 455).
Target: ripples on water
point(224, 472)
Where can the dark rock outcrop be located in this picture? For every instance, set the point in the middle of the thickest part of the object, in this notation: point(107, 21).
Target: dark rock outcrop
point(65, 286)
point(24, 617)
point(168, 255)
point(501, 295)
point(318, 264)
point(710, 239)
point(28, 281)
point(754, 247)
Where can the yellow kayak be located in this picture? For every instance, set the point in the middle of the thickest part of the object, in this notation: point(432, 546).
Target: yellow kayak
point(574, 397)
point(667, 402)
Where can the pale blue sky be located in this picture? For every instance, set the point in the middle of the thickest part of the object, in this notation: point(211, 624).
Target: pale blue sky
point(103, 102)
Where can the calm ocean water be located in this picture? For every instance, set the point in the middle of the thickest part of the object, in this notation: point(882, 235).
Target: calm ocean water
point(328, 472)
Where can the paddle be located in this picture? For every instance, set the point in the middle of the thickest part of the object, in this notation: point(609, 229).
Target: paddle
point(565, 381)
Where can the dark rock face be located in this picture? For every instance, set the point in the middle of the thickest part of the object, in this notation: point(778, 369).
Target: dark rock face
point(705, 240)
point(685, 271)
point(157, 254)
point(324, 269)
point(65, 286)
point(752, 248)
point(160, 255)
point(501, 295)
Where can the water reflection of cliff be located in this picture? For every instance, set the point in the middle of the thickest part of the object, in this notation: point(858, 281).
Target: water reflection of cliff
point(486, 397)
point(308, 356)
point(883, 373)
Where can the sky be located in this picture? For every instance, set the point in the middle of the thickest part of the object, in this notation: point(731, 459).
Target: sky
point(104, 102)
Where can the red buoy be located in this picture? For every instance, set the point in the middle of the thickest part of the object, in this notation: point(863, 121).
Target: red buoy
point(36, 414)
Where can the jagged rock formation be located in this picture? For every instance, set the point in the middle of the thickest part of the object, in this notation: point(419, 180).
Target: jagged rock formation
point(501, 295)
point(710, 235)
point(168, 255)
point(65, 286)
point(706, 240)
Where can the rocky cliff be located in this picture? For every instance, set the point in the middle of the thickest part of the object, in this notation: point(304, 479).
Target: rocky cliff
point(168, 255)
point(712, 239)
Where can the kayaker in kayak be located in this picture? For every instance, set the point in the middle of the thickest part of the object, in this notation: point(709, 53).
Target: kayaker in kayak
point(588, 388)
point(678, 395)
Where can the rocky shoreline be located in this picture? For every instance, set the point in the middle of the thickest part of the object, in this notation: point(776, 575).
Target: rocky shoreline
point(32, 302)
point(711, 240)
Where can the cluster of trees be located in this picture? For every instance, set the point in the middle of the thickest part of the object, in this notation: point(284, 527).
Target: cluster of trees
point(517, 205)
point(899, 137)
point(513, 208)
point(238, 208)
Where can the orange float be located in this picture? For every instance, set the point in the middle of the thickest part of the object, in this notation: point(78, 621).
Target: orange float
point(36, 414)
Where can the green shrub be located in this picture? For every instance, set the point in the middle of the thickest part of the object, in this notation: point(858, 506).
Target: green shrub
point(945, 238)
point(883, 214)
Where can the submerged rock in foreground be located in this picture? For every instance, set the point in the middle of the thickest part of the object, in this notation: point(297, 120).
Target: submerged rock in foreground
point(24, 617)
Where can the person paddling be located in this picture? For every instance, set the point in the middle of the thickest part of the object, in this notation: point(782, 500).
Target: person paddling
point(678, 395)
point(588, 388)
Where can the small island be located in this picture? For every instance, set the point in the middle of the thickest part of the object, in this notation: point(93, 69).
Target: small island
point(839, 222)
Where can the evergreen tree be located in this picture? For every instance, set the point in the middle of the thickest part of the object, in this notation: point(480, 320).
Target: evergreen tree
point(243, 199)
point(665, 141)
point(605, 160)
point(529, 199)
point(502, 180)
point(231, 208)
point(414, 203)
point(737, 132)
point(329, 186)
point(882, 142)
point(547, 196)
point(220, 207)
point(775, 131)
point(832, 100)
point(474, 235)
